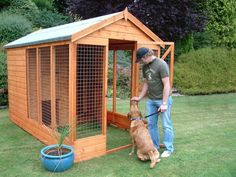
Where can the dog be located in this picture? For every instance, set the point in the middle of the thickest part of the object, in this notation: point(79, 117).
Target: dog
point(141, 137)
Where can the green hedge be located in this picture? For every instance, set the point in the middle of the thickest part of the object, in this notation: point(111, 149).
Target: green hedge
point(26, 8)
point(47, 18)
point(3, 79)
point(206, 71)
point(13, 27)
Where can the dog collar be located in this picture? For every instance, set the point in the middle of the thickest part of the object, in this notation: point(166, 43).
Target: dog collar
point(137, 118)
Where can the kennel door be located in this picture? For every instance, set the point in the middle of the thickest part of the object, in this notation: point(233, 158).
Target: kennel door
point(89, 90)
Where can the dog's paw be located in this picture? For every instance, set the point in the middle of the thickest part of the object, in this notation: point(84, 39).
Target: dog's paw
point(130, 153)
point(153, 164)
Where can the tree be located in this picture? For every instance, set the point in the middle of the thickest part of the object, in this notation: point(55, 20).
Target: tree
point(222, 22)
point(170, 20)
point(93, 8)
point(60, 5)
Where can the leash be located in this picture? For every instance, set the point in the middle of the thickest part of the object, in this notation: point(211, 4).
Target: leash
point(158, 111)
point(140, 118)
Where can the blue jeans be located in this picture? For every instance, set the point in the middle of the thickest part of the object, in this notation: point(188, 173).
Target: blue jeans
point(168, 132)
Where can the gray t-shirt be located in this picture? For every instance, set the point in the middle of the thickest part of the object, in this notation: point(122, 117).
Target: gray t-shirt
point(153, 73)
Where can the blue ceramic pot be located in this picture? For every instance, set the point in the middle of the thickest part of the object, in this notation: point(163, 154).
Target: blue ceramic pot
point(55, 163)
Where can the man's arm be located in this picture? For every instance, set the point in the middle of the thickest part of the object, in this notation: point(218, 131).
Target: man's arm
point(166, 92)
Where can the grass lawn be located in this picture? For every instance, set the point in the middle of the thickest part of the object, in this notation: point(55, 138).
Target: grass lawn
point(205, 145)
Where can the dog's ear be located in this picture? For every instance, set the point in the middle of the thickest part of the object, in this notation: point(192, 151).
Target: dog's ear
point(129, 115)
point(140, 114)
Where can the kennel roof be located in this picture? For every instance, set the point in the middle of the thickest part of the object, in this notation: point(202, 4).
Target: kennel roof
point(74, 31)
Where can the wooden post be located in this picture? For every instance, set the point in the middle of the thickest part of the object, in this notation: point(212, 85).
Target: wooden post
point(172, 65)
point(134, 74)
point(104, 102)
point(53, 91)
point(38, 59)
point(72, 92)
point(114, 81)
point(27, 83)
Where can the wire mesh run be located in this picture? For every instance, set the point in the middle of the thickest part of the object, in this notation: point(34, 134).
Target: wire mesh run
point(163, 50)
point(89, 88)
point(45, 100)
point(32, 84)
point(62, 85)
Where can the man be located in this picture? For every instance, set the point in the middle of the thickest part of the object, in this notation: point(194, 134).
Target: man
point(157, 87)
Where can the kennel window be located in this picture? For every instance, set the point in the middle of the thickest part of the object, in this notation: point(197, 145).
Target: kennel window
point(62, 85)
point(32, 84)
point(45, 100)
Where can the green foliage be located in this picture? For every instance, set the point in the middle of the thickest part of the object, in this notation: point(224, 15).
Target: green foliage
point(47, 18)
point(222, 17)
point(44, 4)
point(4, 4)
point(123, 74)
point(64, 132)
point(3, 79)
point(184, 45)
point(203, 39)
point(206, 71)
point(13, 26)
point(26, 8)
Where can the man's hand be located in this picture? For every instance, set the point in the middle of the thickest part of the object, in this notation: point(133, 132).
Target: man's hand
point(135, 98)
point(163, 108)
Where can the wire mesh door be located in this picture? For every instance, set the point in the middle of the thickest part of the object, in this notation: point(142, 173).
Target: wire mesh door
point(89, 90)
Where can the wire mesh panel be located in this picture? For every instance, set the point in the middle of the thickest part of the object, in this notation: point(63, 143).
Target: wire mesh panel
point(62, 85)
point(162, 52)
point(32, 84)
point(89, 86)
point(44, 55)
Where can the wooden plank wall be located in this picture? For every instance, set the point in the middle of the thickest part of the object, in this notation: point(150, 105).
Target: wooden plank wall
point(17, 92)
point(122, 30)
point(17, 82)
point(88, 148)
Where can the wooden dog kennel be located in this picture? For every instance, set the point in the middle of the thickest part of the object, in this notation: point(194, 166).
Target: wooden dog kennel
point(58, 76)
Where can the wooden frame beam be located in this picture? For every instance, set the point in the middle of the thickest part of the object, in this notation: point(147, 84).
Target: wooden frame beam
point(53, 90)
point(72, 91)
point(114, 80)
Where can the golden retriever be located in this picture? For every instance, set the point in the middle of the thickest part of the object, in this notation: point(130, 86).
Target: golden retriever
point(141, 137)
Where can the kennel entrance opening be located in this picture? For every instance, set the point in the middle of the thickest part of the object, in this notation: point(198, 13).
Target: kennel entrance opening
point(120, 67)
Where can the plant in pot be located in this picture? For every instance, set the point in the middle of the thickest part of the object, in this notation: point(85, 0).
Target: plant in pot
point(58, 157)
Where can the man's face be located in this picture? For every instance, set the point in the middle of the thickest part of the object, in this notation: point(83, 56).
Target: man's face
point(145, 60)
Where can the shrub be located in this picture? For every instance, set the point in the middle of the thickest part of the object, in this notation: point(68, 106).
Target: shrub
point(222, 16)
point(3, 79)
point(123, 74)
point(206, 71)
point(26, 8)
point(47, 18)
point(13, 27)
point(44, 4)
